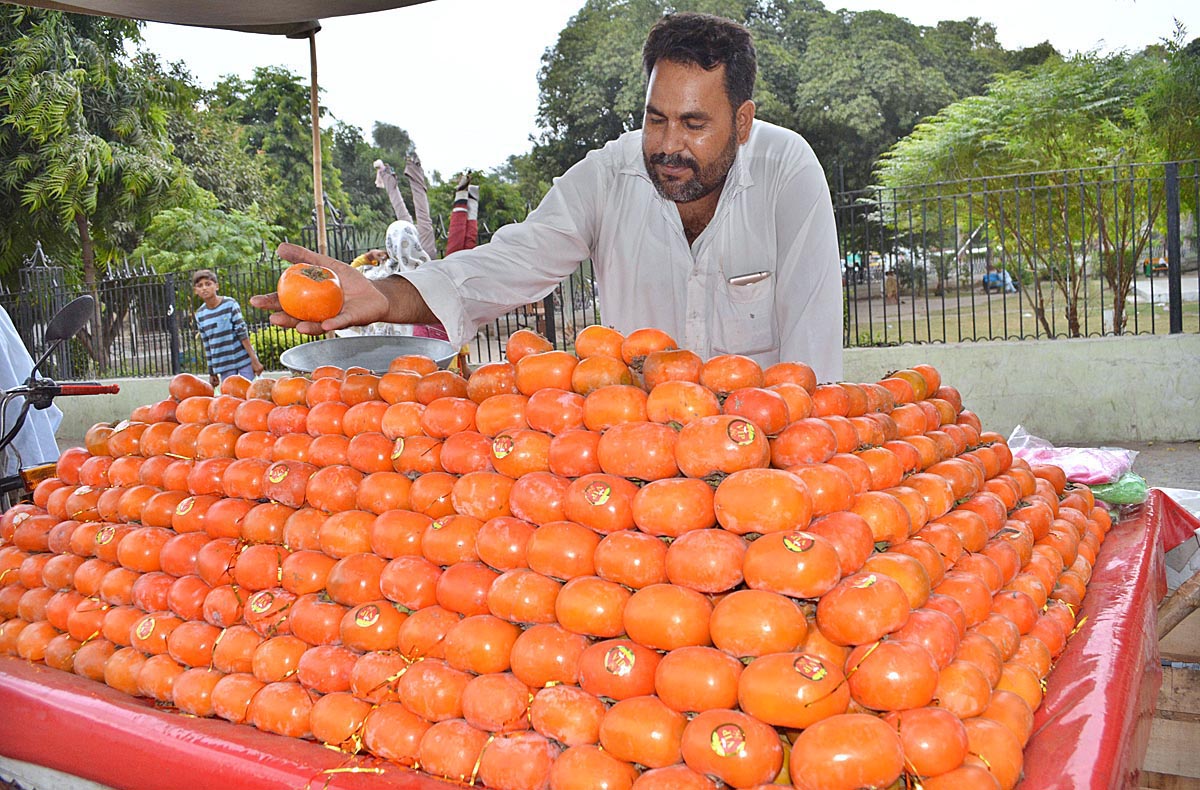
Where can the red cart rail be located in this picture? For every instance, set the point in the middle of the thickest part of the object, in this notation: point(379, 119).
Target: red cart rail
point(1091, 731)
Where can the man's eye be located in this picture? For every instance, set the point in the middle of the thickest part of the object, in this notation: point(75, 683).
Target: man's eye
point(694, 126)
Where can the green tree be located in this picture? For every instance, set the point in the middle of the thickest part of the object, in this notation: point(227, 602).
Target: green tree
point(85, 160)
point(851, 83)
point(273, 109)
point(868, 78)
point(522, 172)
point(1050, 150)
point(1172, 105)
point(392, 142)
point(184, 239)
point(367, 205)
point(210, 143)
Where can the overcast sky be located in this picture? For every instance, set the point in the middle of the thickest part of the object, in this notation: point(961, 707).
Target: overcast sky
point(417, 67)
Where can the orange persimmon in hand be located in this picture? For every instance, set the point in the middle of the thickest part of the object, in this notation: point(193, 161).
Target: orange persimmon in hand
point(310, 292)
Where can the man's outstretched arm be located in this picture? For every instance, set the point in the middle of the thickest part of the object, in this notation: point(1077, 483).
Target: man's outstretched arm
point(393, 299)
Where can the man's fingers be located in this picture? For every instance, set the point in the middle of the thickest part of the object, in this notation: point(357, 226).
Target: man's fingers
point(303, 327)
point(266, 302)
point(294, 253)
point(282, 319)
point(309, 328)
point(364, 302)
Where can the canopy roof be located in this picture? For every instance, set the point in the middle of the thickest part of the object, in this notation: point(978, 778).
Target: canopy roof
point(296, 18)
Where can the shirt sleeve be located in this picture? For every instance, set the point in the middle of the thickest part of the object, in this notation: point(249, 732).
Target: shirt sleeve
point(237, 322)
point(809, 296)
point(523, 262)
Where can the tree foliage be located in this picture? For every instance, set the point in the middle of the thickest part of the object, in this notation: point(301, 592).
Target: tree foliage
point(205, 237)
point(851, 83)
point(1053, 150)
point(210, 143)
point(366, 204)
point(85, 160)
point(522, 172)
point(272, 108)
point(1171, 106)
point(393, 143)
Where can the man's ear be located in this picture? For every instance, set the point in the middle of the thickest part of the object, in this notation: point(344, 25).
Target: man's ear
point(744, 119)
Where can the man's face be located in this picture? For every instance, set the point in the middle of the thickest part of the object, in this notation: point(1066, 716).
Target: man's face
point(690, 133)
point(204, 288)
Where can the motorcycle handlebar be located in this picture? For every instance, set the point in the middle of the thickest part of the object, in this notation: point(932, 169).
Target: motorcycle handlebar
point(88, 389)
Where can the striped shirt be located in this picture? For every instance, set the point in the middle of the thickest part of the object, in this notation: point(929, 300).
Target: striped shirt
point(222, 330)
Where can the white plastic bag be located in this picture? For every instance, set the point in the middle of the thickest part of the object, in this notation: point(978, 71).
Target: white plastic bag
point(1087, 465)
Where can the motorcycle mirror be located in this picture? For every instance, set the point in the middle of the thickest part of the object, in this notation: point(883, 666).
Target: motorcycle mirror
point(70, 319)
point(63, 326)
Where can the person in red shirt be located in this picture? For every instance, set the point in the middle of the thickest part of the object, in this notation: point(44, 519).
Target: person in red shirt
point(463, 233)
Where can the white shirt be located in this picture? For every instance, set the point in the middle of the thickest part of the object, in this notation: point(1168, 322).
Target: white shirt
point(774, 215)
point(35, 442)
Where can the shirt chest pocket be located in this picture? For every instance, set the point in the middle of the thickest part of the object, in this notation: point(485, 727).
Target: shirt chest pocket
point(744, 315)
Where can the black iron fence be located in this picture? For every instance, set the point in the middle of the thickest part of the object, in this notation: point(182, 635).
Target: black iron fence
point(145, 323)
point(1101, 251)
point(1072, 253)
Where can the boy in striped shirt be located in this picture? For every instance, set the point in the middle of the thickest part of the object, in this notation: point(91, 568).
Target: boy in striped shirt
point(223, 332)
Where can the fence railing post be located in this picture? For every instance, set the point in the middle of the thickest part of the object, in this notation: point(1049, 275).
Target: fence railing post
point(548, 308)
point(1174, 275)
point(173, 328)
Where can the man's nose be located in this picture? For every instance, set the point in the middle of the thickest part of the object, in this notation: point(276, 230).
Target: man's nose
point(673, 138)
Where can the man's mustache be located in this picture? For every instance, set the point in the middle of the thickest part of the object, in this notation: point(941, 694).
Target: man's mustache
point(675, 160)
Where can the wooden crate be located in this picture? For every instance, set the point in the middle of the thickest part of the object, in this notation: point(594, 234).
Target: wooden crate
point(1183, 643)
point(1173, 757)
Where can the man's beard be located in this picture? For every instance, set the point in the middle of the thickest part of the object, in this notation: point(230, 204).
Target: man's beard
point(704, 182)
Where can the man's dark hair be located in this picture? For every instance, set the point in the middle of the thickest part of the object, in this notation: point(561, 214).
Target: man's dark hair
point(706, 41)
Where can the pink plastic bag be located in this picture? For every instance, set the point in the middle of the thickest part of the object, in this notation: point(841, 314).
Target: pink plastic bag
point(1087, 465)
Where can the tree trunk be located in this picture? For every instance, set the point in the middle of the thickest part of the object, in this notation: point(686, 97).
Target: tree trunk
point(1073, 317)
point(1039, 310)
point(99, 344)
point(1118, 311)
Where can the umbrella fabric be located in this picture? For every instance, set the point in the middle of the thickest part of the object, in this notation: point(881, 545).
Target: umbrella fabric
point(295, 18)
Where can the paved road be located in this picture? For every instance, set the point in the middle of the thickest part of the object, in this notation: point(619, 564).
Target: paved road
point(1189, 290)
point(1167, 464)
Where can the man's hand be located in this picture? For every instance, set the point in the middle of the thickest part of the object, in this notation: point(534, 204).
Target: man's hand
point(364, 303)
point(214, 380)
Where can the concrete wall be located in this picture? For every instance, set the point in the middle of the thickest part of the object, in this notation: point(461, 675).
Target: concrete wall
point(1082, 392)
point(80, 413)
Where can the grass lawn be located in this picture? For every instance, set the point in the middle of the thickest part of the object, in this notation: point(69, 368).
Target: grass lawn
point(966, 314)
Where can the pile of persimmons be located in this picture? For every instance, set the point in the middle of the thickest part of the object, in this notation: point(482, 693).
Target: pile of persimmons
point(622, 567)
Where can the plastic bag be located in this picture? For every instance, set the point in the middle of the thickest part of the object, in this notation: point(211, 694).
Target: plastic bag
point(1088, 465)
point(1129, 489)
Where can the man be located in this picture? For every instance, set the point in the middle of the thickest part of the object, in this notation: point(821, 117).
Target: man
point(706, 223)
